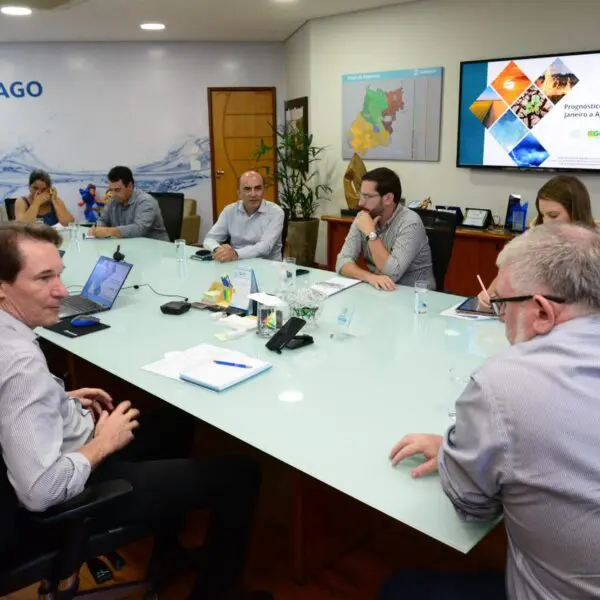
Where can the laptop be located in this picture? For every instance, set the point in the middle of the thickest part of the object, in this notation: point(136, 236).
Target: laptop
point(100, 290)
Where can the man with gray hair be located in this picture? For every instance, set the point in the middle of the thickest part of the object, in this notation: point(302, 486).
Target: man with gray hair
point(525, 443)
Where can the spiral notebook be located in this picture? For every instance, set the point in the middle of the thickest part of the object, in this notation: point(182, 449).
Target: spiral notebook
point(209, 366)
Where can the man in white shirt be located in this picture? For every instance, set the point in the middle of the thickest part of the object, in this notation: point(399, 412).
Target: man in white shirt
point(525, 442)
point(55, 442)
point(250, 228)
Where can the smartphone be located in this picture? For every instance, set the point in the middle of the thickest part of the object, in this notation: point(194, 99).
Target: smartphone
point(285, 334)
point(302, 272)
point(203, 258)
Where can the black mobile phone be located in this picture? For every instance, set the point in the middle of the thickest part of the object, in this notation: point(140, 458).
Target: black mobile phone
point(285, 334)
point(302, 272)
point(203, 252)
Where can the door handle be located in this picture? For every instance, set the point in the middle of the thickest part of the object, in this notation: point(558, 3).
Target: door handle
point(220, 172)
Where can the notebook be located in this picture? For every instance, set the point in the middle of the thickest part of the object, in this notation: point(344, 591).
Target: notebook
point(197, 365)
point(334, 285)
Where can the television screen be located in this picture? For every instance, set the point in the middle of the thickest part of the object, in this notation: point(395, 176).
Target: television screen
point(537, 112)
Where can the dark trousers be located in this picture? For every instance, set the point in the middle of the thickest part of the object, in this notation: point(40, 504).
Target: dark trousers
point(165, 486)
point(431, 585)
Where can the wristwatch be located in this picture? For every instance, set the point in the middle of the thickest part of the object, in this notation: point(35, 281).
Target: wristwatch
point(371, 237)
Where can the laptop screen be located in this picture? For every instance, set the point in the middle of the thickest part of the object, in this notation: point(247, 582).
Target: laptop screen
point(106, 281)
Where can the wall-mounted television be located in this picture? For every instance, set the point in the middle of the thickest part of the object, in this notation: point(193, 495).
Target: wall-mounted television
point(531, 113)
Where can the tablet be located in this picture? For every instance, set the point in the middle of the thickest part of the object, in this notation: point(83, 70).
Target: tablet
point(471, 307)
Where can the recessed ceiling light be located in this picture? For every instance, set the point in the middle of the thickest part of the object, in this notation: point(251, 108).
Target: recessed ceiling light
point(16, 11)
point(152, 26)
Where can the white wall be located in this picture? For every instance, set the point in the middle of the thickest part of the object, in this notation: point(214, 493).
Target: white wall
point(438, 33)
point(139, 104)
point(297, 64)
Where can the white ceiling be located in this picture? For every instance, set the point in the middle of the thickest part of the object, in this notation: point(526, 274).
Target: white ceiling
point(186, 20)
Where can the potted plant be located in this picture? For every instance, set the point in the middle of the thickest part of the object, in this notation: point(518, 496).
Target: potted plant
point(300, 190)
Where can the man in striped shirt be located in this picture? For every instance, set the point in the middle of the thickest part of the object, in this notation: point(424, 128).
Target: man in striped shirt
point(525, 442)
point(54, 442)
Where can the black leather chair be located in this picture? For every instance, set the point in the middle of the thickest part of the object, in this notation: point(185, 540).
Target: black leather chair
point(441, 228)
point(50, 547)
point(171, 207)
point(9, 205)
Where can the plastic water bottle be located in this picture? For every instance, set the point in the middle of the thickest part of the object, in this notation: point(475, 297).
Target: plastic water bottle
point(343, 323)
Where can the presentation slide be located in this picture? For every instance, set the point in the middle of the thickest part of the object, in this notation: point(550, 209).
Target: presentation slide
point(531, 113)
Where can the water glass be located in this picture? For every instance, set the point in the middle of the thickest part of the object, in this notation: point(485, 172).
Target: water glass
point(269, 320)
point(73, 230)
point(288, 274)
point(180, 250)
point(421, 299)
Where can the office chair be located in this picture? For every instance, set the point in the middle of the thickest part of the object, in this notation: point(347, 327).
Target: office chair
point(441, 228)
point(171, 207)
point(50, 547)
point(9, 205)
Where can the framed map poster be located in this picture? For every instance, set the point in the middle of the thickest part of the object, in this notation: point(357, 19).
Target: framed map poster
point(392, 115)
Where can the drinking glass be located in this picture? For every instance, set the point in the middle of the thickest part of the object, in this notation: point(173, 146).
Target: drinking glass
point(421, 292)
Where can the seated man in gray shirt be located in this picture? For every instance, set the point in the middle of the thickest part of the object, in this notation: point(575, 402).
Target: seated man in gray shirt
point(525, 443)
point(131, 212)
point(55, 442)
point(391, 237)
point(250, 228)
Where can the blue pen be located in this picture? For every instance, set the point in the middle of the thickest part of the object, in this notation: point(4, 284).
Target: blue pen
point(230, 364)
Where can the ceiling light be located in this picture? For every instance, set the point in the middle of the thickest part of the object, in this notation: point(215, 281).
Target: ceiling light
point(152, 26)
point(16, 11)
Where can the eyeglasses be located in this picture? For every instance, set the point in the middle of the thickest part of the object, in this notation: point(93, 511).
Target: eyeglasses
point(499, 304)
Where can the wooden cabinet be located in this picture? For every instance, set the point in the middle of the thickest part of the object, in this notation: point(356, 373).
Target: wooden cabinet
point(474, 253)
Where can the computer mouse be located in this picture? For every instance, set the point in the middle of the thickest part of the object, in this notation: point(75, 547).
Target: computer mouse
point(84, 321)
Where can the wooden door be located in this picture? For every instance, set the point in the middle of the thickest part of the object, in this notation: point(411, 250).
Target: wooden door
point(238, 119)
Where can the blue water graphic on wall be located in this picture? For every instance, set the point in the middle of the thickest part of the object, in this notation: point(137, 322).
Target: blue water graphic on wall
point(184, 166)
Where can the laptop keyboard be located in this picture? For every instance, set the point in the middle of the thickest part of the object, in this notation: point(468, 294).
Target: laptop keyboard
point(77, 303)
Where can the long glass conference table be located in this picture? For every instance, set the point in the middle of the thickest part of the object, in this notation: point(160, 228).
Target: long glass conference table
point(333, 409)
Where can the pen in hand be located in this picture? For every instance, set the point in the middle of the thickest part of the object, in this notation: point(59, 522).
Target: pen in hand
point(483, 288)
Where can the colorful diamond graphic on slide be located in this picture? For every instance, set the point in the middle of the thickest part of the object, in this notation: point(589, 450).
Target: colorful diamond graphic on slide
point(508, 130)
point(532, 107)
point(511, 82)
point(529, 152)
point(557, 81)
point(489, 107)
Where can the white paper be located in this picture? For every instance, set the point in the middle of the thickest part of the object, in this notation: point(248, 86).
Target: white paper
point(267, 300)
point(237, 322)
point(243, 281)
point(175, 363)
point(451, 312)
point(333, 285)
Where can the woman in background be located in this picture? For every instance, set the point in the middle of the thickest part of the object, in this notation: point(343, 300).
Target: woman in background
point(42, 202)
point(563, 199)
